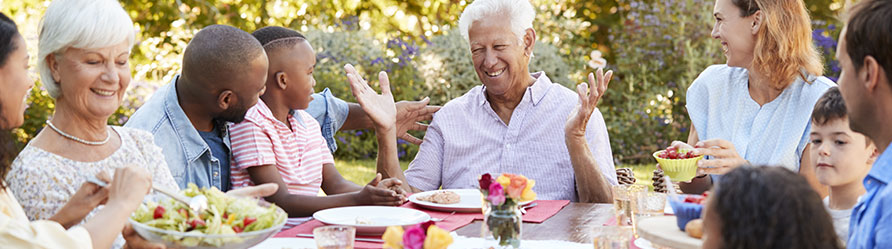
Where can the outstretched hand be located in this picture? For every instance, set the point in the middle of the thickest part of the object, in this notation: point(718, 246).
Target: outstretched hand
point(408, 116)
point(588, 102)
point(379, 107)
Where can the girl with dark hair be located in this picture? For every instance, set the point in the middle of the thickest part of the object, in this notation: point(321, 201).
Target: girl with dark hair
point(122, 196)
point(766, 207)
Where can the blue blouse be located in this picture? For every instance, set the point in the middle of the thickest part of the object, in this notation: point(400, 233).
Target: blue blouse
point(775, 133)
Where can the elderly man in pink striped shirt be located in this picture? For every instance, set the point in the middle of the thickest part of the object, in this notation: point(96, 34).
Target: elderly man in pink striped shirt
point(516, 122)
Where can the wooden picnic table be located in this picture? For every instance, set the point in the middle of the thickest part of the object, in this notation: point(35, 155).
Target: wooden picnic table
point(576, 223)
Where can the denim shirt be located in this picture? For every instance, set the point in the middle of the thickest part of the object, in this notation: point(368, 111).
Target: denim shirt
point(331, 113)
point(188, 156)
point(871, 221)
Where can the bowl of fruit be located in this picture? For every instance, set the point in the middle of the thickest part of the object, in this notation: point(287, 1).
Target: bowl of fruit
point(686, 208)
point(679, 164)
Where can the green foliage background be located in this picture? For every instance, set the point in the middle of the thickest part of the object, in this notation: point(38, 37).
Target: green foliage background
point(656, 47)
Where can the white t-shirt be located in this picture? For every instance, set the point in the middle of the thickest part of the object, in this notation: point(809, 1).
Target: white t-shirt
point(840, 220)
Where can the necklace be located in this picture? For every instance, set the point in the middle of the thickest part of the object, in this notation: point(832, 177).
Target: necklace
point(77, 139)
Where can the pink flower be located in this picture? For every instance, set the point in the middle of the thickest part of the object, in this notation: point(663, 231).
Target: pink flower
point(496, 194)
point(414, 238)
point(485, 181)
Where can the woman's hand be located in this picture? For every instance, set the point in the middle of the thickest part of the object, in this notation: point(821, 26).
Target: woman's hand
point(81, 203)
point(724, 156)
point(129, 186)
point(588, 102)
point(371, 194)
point(379, 107)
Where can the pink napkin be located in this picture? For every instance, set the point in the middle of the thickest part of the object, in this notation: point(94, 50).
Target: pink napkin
point(451, 224)
point(543, 210)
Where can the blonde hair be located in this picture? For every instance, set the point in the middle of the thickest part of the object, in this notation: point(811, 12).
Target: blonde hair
point(784, 47)
point(85, 24)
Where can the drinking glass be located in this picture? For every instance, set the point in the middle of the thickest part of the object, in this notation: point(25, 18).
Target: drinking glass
point(334, 237)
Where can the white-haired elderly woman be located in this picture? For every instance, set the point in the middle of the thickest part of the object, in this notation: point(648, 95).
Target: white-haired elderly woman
point(516, 122)
point(83, 52)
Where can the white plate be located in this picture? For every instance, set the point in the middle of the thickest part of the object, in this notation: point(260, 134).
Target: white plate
point(471, 201)
point(377, 217)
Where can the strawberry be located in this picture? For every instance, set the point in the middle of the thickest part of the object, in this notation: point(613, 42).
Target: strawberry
point(196, 222)
point(237, 229)
point(159, 212)
point(248, 220)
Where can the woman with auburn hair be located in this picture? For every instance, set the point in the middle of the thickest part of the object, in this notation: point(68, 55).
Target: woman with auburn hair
point(756, 108)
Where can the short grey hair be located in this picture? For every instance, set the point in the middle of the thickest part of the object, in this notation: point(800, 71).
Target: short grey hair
point(521, 13)
point(85, 24)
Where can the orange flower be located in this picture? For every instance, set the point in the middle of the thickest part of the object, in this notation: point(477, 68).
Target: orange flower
point(515, 189)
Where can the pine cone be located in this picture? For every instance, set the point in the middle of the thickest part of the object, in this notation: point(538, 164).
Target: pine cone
point(625, 176)
point(659, 182)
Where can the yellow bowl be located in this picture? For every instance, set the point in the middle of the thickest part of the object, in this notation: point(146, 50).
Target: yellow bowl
point(678, 170)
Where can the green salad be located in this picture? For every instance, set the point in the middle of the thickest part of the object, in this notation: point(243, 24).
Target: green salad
point(225, 215)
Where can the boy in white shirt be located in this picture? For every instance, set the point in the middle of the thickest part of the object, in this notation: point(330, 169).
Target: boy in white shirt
point(843, 158)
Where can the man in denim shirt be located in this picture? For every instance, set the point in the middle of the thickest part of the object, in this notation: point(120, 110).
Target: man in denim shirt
point(194, 135)
point(224, 73)
point(866, 60)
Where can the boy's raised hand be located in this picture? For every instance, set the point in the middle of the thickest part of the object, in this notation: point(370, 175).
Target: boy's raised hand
point(380, 107)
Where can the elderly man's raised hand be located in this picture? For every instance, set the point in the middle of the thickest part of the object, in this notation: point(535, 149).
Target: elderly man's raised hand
point(408, 116)
point(588, 101)
point(379, 107)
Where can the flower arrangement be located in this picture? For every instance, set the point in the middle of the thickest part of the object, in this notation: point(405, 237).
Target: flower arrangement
point(422, 236)
point(507, 189)
point(502, 218)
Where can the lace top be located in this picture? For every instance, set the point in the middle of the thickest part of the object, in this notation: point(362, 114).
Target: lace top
point(43, 182)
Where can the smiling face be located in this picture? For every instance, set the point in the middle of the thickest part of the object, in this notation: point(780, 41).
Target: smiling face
point(841, 155)
point(736, 33)
point(299, 61)
point(92, 82)
point(16, 84)
point(500, 58)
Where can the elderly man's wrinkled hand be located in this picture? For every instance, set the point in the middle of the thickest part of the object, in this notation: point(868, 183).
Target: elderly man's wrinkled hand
point(380, 107)
point(408, 116)
point(588, 102)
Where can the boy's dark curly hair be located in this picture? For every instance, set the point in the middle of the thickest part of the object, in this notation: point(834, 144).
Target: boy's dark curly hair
point(771, 207)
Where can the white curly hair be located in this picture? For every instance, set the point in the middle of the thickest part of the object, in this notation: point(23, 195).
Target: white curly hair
point(521, 13)
point(85, 24)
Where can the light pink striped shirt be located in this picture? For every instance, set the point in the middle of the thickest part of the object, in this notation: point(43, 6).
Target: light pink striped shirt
point(298, 155)
point(467, 139)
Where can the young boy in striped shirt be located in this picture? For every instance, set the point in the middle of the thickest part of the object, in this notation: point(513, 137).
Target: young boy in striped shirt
point(281, 143)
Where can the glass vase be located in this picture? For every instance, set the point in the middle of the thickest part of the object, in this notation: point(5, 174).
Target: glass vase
point(502, 224)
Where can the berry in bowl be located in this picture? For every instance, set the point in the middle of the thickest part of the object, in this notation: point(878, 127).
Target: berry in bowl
point(679, 164)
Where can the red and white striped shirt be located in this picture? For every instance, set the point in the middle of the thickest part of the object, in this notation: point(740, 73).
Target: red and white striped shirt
point(298, 153)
